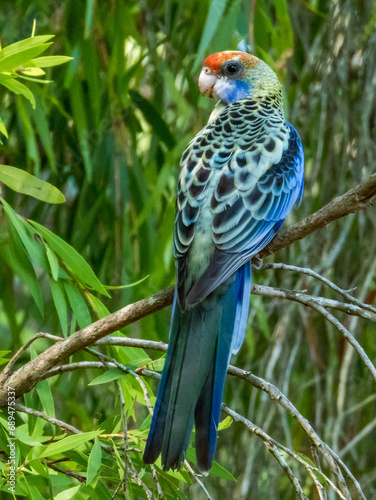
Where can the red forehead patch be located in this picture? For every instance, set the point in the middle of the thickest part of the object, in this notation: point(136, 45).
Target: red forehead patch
point(216, 60)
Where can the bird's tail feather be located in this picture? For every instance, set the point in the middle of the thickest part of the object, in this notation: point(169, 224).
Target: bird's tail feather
point(193, 377)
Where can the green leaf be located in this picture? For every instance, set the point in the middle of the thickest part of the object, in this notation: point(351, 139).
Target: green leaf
point(27, 236)
point(45, 396)
point(19, 88)
point(286, 38)
point(48, 61)
point(108, 376)
point(29, 134)
point(24, 437)
point(79, 115)
point(60, 305)
point(33, 493)
point(54, 264)
point(33, 72)
point(78, 304)
point(12, 61)
point(225, 423)
point(42, 126)
point(27, 43)
point(216, 10)
point(95, 459)
point(33, 79)
point(89, 14)
point(71, 258)
point(120, 287)
point(25, 183)
point(160, 127)
point(19, 260)
point(67, 443)
point(156, 364)
point(3, 129)
point(38, 467)
point(68, 494)
point(216, 470)
point(98, 307)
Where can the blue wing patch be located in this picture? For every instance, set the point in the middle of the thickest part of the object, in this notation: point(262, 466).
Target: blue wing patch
point(248, 215)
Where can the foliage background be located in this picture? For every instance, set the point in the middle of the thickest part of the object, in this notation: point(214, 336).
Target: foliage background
point(109, 132)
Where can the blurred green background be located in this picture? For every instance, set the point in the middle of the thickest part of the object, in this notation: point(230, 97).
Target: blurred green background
point(109, 132)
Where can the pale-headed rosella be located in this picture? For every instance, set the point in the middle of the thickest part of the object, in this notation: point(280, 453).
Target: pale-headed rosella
point(240, 177)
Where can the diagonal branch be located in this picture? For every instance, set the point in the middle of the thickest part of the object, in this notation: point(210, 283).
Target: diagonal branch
point(25, 378)
point(354, 200)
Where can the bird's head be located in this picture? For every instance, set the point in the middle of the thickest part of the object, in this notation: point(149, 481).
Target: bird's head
point(232, 75)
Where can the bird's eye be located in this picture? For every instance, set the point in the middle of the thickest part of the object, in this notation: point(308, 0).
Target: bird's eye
point(232, 68)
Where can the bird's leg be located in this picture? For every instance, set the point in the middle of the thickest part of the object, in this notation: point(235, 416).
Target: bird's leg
point(257, 262)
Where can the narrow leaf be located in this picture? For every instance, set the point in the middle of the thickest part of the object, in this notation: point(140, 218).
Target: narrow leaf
point(19, 88)
point(21, 58)
point(27, 236)
point(98, 307)
point(95, 459)
point(160, 127)
point(54, 264)
point(45, 396)
point(49, 61)
point(41, 122)
point(3, 128)
point(78, 304)
point(24, 44)
point(71, 258)
point(25, 183)
point(108, 376)
point(89, 15)
point(216, 10)
point(68, 443)
point(30, 71)
point(60, 305)
point(19, 261)
point(79, 114)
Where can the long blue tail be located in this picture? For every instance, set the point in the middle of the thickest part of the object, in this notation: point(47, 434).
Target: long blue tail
point(191, 389)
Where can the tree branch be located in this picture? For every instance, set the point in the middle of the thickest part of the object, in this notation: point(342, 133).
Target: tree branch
point(25, 378)
point(354, 200)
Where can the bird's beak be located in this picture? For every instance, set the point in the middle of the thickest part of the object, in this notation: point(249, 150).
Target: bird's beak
point(206, 82)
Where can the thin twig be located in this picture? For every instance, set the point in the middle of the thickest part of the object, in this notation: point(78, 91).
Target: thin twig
point(68, 473)
point(347, 335)
point(269, 440)
point(303, 298)
point(128, 371)
point(286, 468)
point(156, 481)
point(125, 437)
point(51, 420)
point(21, 350)
point(330, 284)
point(361, 435)
point(191, 471)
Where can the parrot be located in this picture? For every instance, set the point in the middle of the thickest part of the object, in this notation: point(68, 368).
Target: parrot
point(240, 177)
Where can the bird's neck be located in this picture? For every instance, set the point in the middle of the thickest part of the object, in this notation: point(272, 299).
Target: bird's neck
point(218, 108)
point(261, 94)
